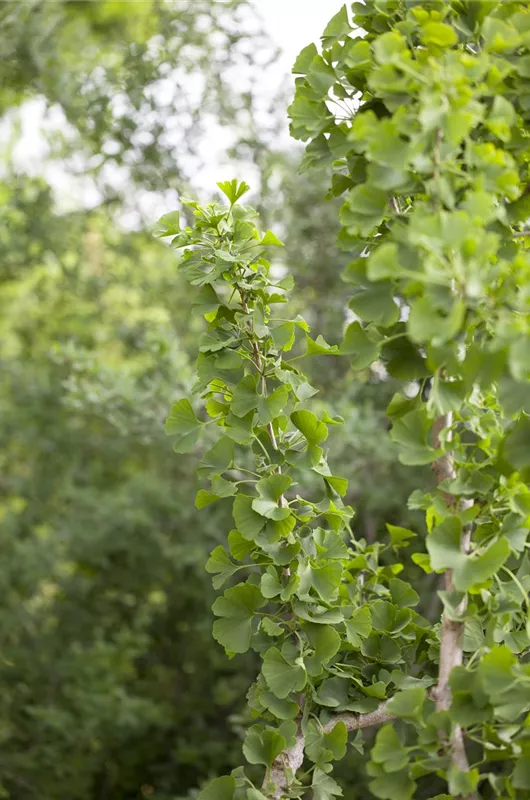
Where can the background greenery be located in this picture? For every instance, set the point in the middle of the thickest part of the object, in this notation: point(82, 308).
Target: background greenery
point(111, 687)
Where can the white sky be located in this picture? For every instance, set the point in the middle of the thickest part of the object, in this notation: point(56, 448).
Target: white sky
point(291, 24)
point(295, 23)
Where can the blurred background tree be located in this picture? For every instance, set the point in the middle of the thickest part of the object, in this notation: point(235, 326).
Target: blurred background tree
point(111, 687)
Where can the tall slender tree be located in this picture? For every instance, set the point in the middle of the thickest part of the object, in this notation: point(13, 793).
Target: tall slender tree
point(420, 110)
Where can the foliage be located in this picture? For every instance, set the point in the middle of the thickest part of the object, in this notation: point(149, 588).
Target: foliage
point(422, 121)
point(120, 74)
point(111, 683)
point(110, 679)
point(378, 484)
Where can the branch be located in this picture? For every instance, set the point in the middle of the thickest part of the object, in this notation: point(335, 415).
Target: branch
point(289, 762)
point(452, 631)
point(285, 767)
point(354, 722)
point(395, 205)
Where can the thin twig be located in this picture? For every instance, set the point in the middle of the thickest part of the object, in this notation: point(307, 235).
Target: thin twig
point(395, 205)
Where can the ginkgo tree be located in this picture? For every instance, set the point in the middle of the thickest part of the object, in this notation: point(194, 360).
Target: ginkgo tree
point(420, 111)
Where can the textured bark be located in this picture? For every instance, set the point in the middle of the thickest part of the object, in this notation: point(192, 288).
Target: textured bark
point(452, 631)
point(354, 722)
point(285, 768)
point(286, 765)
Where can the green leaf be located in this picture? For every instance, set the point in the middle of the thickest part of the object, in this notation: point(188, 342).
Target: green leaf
point(317, 613)
point(261, 746)
point(304, 59)
point(239, 546)
point(390, 47)
point(337, 28)
point(444, 546)
point(462, 783)
point(478, 568)
point(410, 434)
point(376, 304)
point(326, 642)
point(321, 747)
point(236, 608)
point(319, 347)
point(447, 395)
point(359, 626)
point(364, 209)
point(281, 708)
point(325, 580)
point(499, 36)
point(168, 225)
point(220, 489)
point(217, 459)
point(270, 627)
point(388, 750)
point(408, 704)
point(270, 491)
point(438, 34)
point(321, 75)
point(324, 787)
point(220, 565)
point(308, 424)
point(330, 544)
point(248, 522)
point(423, 561)
point(403, 595)
point(519, 358)
point(219, 789)
point(204, 498)
point(255, 794)
point(214, 341)
point(383, 262)
point(282, 678)
point(270, 584)
point(283, 336)
point(357, 55)
point(395, 786)
point(521, 773)
point(381, 648)
point(358, 344)
point(501, 118)
point(271, 407)
point(308, 117)
point(245, 397)
point(233, 190)
point(339, 485)
point(333, 692)
point(515, 447)
point(269, 239)
point(399, 537)
point(184, 425)
point(383, 615)
point(206, 301)
point(427, 324)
